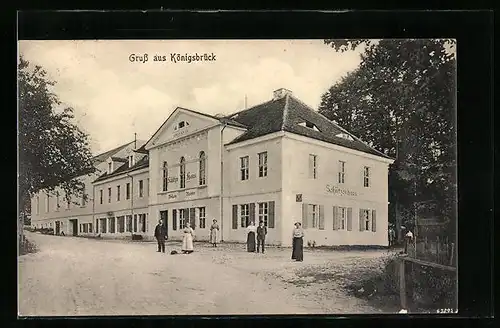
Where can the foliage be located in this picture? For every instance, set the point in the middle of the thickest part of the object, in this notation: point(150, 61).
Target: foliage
point(53, 151)
point(401, 101)
point(26, 247)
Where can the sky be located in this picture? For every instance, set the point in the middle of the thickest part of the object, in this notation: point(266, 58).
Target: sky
point(113, 97)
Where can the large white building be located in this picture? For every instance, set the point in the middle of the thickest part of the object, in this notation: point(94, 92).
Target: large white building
point(279, 162)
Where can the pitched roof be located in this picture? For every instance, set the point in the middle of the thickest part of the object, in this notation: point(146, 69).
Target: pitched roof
point(125, 168)
point(285, 114)
point(224, 120)
point(104, 156)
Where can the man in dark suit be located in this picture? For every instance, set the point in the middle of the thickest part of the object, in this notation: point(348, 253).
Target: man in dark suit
point(160, 234)
point(261, 236)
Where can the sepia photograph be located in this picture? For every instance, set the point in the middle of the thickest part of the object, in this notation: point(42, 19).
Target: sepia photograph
point(237, 177)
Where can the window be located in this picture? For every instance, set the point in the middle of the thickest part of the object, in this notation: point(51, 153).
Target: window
point(244, 167)
point(341, 172)
point(264, 213)
point(202, 217)
point(135, 222)
point(182, 218)
point(103, 226)
point(81, 228)
point(263, 164)
point(142, 222)
point(182, 172)
point(181, 124)
point(84, 196)
point(127, 191)
point(117, 193)
point(129, 223)
point(366, 176)
point(121, 224)
point(90, 227)
point(366, 219)
point(57, 200)
point(47, 202)
point(202, 175)
point(313, 169)
point(100, 196)
point(165, 176)
point(109, 195)
point(85, 227)
point(343, 218)
point(314, 215)
point(109, 168)
point(111, 223)
point(141, 188)
point(245, 215)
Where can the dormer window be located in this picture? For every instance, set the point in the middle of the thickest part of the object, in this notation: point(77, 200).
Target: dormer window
point(345, 136)
point(110, 167)
point(130, 160)
point(181, 124)
point(309, 125)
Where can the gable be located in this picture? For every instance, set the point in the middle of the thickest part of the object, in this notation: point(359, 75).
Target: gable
point(181, 122)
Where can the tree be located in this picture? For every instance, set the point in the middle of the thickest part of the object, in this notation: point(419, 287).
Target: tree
point(53, 151)
point(401, 100)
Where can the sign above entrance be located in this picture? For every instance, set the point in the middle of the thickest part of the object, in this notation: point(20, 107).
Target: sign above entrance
point(340, 191)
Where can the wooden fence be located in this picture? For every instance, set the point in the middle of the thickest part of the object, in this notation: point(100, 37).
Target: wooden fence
point(436, 250)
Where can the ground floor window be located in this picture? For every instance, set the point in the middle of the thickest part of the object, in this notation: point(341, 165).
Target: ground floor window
point(111, 225)
point(103, 226)
point(135, 222)
point(143, 222)
point(367, 220)
point(245, 215)
point(202, 217)
point(342, 218)
point(129, 223)
point(313, 216)
point(121, 224)
point(182, 218)
point(90, 227)
point(264, 213)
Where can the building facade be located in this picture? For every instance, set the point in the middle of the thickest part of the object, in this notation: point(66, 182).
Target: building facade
point(279, 162)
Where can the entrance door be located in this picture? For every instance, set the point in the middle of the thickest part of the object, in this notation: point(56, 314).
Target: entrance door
point(58, 228)
point(164, 219)
point(192, 217)
point(74, 224)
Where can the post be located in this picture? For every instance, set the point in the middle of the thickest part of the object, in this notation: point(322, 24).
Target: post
point(452, 252)
point(402, 283)
point(438, 248)
point(415, 228)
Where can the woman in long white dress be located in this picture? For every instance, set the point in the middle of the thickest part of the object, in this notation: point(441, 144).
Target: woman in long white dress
point(187, 239)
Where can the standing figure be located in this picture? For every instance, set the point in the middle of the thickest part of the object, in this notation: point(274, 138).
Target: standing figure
point(160, 234)
point(392, 236)
point(214, 233)
point(298, 243)
point(261, 236)
point(252, 230)
point(187, 239)
point(408, 239)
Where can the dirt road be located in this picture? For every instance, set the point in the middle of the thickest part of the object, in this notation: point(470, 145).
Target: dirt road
point(77, 276)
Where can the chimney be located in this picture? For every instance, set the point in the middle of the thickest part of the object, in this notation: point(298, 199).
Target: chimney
point(280, 93)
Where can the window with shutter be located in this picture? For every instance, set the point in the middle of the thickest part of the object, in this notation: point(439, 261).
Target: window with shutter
point(349, 219)
point(270, 223)
point(305, 206)
point(321, 217)
point(235, 216)
point(374, 221)
point(335, 218)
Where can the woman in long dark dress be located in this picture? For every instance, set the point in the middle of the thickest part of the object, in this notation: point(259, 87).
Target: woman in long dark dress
point(251, 232)
point(298, 243)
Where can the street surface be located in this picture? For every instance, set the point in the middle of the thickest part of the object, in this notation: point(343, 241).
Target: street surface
point(73, 276)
